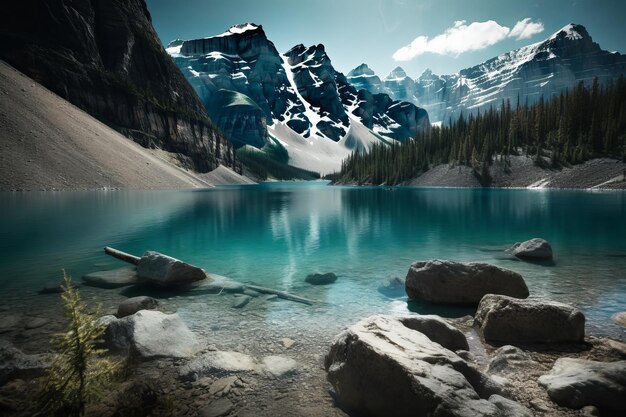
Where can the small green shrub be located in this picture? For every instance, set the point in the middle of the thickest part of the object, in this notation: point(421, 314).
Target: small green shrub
point(78, 369)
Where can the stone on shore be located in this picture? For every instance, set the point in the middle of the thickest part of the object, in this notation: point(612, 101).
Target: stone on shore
point(135, 304)
point(576, 383)
point(451, 282)
point(620, 318)
point(510, 408)
point(436, 329)
point(217, 408)
point(321, 279)
point(379, 364)
point(533, 249)
point(511, 320)
point(218, 363)
point(150, 334)
point(508, 359)
point(16, 364)
point(114, 278)
point(162, 270)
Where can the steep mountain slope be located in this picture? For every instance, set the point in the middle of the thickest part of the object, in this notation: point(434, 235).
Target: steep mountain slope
point(105, 57)
point(48, 143)
point(541, 69)
point(301, 100)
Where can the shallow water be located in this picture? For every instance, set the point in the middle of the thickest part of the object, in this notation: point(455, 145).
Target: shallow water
point(275, 234)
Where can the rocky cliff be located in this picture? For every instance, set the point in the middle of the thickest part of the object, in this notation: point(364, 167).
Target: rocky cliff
point(105, 57)
point(305, 103)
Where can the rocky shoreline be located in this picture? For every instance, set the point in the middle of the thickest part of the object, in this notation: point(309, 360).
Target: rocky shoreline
point(516, 357)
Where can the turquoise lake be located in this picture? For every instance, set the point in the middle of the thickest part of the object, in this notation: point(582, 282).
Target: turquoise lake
point(275, 234)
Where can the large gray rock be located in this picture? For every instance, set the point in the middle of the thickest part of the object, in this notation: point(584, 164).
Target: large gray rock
point(150, 334)
point(576, 383)
point(379, 366)
point(533, 249)
point(156, 268)
point(451, 282)
point(115, 278)
point(511, 320)
point(436, 329)
point(135, 304)
point(509, 407)
point(16, 364)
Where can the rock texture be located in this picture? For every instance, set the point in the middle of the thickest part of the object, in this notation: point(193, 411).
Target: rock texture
point(533, 249)
point(452, 282)
point(105, 57)
point(16, 364)
point(135, 304)
point(162, 270)
point(544, 68)
point(576, 383)
point(511, 320)
point(114, 278)
point(379, 364)
point(150, 334)
point(321, 279)
point(436, 329)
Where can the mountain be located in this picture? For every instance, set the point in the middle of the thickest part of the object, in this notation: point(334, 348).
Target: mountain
point(541, 69)
point(105, 57)
point(296, 100)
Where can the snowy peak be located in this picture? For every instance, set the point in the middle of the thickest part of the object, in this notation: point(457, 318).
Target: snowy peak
point(398, 73)
point(571, 32)
point(241, 28)
point(361, 70)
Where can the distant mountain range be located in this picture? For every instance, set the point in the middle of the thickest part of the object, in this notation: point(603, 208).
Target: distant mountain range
point(541, 69)
point(296, 100)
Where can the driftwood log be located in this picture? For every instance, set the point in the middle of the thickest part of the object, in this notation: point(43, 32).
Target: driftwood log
point(132, 259)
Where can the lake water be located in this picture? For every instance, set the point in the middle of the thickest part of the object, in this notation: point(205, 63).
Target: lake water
point(275, 234)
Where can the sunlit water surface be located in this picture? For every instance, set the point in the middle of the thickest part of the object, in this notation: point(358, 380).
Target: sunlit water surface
point(275, 234)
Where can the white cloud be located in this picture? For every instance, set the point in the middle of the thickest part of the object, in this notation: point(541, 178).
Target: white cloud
point(462, 38)
point(525, 29)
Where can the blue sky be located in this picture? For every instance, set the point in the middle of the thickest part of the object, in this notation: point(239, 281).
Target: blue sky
point(443, 35)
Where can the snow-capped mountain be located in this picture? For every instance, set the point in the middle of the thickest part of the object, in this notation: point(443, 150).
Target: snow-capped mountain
point(541, 69)
point(253, 93)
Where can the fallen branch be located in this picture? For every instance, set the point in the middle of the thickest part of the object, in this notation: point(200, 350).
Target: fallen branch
point(280, 294)
point(122, 256)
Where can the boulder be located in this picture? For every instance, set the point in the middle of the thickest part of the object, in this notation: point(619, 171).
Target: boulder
point(533, 249)
point(620, 318)
point(576, 383)
point(115, 278)
point(451, 282)
point(379, 364)
point(321, 279)
point(16, 364)
point(150, 334)
point(510, 408)
point(134, 304)
point(218, 362)
point(511, 320)
point(217, 408)
point(509, 358)
point(436, 329)
point(162, 270)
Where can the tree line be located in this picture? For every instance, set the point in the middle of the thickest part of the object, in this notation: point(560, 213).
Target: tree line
point(570, 128)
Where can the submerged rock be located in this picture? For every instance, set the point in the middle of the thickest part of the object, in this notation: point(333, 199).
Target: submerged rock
point(280, 366)
point(10, 322)
point(218, 362)
point(438, 330)
point(576, 383)
point(620, 318)
point(115, 278)
point(533, 249)
point(509, 320)
point(392, 287)
point(321, 279)
point(158, 269)
point(451, 282)
point(150, 334)
point(16, 364)
point(35, 322)
point(241, 301)
point(217, 408)
point(135, 304)
point(379, 364)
